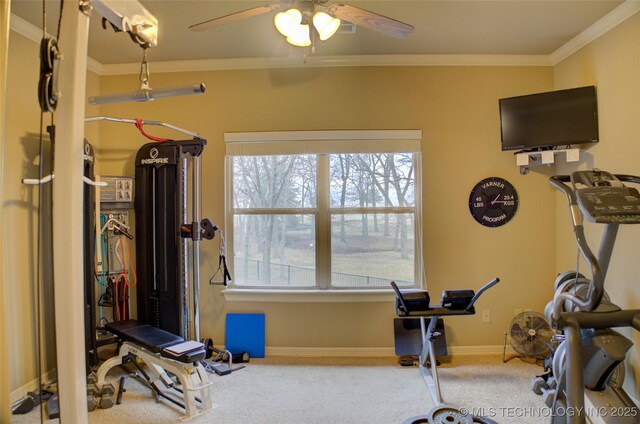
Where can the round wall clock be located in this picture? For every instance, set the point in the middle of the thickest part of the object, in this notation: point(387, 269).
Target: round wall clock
point(493, 202)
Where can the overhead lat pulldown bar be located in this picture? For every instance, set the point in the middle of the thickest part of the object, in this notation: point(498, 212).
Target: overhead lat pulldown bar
point(133, 121)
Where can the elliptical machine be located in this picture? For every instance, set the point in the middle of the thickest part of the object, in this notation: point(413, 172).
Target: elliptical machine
point(586, 367)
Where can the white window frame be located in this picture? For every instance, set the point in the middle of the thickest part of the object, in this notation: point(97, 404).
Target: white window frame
point(322, 143)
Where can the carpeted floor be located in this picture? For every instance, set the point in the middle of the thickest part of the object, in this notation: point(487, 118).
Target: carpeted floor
point(341, 391)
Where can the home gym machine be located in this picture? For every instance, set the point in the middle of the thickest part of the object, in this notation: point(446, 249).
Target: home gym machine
point(162, 344)
point(169, 298)
point(412, 304)
point(581, 386)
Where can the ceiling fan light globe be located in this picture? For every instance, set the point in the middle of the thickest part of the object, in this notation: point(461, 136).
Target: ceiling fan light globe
point(300, 36)
point(326, 25)
point(286, 22)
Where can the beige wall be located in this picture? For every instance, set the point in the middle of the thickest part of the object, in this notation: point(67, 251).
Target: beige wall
point(457, 110)
point(612, 63)
point(20, 216)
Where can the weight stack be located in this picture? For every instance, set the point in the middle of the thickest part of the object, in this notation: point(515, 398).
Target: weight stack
point(161, 251)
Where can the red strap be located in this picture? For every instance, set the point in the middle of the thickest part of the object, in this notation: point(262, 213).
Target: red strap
point(140, 123)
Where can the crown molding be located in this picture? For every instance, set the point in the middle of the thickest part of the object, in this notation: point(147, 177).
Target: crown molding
point(331, 62)
point(95, 66)
point(33, 33)
point(599, 28)
point(25, 28)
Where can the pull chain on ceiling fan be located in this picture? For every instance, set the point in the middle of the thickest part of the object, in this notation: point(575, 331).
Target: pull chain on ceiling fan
point(295, 21)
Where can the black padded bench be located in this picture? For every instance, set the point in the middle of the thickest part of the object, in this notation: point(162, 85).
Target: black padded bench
point(157, 341)
point(166, 357)
point(454, 302)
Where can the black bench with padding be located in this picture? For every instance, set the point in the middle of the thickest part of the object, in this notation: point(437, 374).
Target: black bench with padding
point(167, 358)
point(156, 340)
point(415, 303)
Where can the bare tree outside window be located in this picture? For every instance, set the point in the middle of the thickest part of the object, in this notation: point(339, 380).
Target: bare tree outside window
point(376, 182)
point(264, 239)
point(371, 214)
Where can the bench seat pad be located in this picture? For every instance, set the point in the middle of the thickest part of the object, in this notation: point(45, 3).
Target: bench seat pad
point(154, 339)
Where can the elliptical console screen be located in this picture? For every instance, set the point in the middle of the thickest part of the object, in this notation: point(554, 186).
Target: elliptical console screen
point(604, 199)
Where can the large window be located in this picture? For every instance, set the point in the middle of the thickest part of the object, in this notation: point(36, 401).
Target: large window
point(324, 210)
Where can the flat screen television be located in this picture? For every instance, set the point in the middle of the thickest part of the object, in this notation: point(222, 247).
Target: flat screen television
point(547, 120)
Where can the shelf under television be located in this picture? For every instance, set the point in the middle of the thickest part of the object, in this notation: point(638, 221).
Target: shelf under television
point(526, 160)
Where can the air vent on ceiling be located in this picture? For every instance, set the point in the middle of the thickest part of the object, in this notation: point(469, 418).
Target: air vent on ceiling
point(347, 28)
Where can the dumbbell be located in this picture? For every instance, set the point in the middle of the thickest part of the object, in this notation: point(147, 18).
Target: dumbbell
point(537, 384)
point(241, 357)
point(106, 396)
point(92, 403)
point(92, 378)
point(208, 346)
point(92, 390)
point(237, 358)
point(107, 401)
point(548, 395)
point(107, 389)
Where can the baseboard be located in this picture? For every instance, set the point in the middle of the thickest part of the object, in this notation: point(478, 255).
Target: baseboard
point(375, 351)
point(480, 350)
point(48, 378)
point(330, 351)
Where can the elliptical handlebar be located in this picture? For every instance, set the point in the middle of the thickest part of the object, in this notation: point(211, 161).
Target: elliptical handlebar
point(559, 182)
point(596, 285)
point(628, 178)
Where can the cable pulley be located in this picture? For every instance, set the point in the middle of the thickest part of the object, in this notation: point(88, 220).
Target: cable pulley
point(50, 57)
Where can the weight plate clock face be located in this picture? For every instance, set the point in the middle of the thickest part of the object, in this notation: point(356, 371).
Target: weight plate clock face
point(493, 202)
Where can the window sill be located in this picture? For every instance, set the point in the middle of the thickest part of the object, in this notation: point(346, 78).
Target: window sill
point(311, 296)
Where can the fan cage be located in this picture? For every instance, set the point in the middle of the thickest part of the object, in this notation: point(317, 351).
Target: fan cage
point(530, 334)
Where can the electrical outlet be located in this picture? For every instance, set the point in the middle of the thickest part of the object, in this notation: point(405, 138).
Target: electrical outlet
point(518, 311)
point(486, 315)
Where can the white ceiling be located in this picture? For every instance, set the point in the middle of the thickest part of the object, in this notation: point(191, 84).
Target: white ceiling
point(471, 27)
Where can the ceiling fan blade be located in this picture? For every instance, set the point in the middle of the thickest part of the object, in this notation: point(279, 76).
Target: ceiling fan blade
point(370, 20)
point(244, 14)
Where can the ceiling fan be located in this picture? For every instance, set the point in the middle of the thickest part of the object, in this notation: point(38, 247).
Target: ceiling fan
point(295, 18)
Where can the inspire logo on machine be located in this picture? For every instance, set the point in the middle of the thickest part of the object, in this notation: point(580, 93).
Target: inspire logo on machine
point(153, 154)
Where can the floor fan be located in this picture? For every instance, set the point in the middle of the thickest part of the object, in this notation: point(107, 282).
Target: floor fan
point(530, 335)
